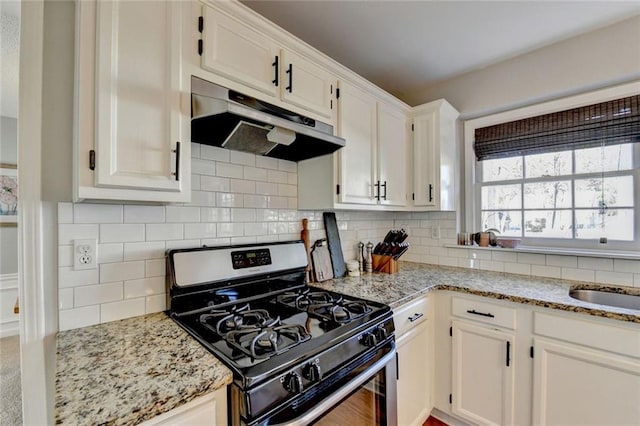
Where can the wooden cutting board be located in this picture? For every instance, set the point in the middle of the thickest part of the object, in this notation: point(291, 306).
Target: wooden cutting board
point(322, 269)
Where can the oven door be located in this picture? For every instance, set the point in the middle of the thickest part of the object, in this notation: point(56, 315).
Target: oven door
point(368, 398)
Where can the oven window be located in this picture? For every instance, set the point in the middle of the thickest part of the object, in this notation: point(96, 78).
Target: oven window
point(365, 406)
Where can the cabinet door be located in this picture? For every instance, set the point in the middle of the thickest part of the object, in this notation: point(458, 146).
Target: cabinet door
point(307, 85)
point(392, 155)
point(425, 172)
point(414, 379)
point(573, 385)
point(357, 124)
point(138, 119)
point(238, 52)
point(482, 374)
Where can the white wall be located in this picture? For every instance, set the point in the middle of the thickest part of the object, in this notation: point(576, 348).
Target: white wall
point(586, 62)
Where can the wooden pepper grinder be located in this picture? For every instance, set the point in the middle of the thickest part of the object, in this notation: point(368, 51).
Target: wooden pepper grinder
point(304, 236)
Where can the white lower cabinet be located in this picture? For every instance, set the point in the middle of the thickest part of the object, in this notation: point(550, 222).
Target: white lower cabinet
point(415, 362)
point(210, 409)
point(482, 374)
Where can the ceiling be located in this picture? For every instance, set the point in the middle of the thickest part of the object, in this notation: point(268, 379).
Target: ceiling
point(404, 46)
point(9, 57)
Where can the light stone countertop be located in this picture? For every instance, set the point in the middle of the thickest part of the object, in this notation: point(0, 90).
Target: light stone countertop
point(128, 371)
point(415, 279)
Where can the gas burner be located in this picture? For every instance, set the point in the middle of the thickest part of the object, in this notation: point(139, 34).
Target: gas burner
point(222, 322)
point(342, 311)
point(268, 341)
point(304, 298)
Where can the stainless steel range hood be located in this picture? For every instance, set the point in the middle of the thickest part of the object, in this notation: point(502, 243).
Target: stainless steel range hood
point(225, 118)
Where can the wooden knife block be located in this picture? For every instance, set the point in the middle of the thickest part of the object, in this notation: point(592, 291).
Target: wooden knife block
point(384, 264)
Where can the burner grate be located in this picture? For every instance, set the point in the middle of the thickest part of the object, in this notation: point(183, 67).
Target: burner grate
point(223, 322)
point(268, 341)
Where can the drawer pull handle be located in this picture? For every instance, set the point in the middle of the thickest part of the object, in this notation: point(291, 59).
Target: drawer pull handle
point(415, 317)
point(482, 314)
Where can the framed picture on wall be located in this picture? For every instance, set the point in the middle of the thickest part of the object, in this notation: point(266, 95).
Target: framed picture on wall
point(8, 194)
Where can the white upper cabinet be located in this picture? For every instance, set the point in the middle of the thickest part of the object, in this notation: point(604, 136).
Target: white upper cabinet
point(357, 125)
point(392, 155)
point(133, 138)
point(239, 52)
point(307, 85)
point(434, 156)
point(242, 54)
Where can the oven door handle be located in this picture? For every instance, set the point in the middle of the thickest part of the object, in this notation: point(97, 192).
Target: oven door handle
point(342, 393)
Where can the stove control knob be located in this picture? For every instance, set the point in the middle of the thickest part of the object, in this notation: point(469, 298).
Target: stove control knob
point(292, 383)
point(312, 372)
point(380, 333)
point(369, 340)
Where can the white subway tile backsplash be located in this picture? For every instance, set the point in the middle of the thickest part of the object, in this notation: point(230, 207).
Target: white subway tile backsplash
point(122, 233)
point(65, 298)
point(636, 280)
point(220, 214)
point(154, 268)
point(243, 215)
point(230, 229)
point(517, 268)
point(624, 265)
point(255, 201)
point(195, 184)
point(276, 176)
point(599, 264)
point(214, 242)
point(214, 153)
point(490, 265)
point(246, 159)
point(109, 253)
point(195, 150)
point(79, 317)
point(229, 200)
point(97, 294)
point(180, 244)
point(203, 198)
point(65, 213)
point(65, 255)
point(182, 214)
point(203, 167)
point(97, 213)
point(200, 230)
point(274, 202)
point(578, 274)
point(142, 251)
point(562, 261)
point(143, 214)
point(266, 163)
point(503, 256)
point(122, 309)
point(266, 188)
point(144, 287)
point(253, 229)
point(479, 254)
point(67, 277)
point(292, 178)
point(163, 232)
point(545, 271)
point(214, 183)
point(121, 271)
point(242, 186)
point(243, 240)
point(229, 170)
point(254, 173)
point(156, 303)
point(287, 190)
point(69, 232)
point(448, 261)
point(288, 166)
point(616, 278)
point(532, 258)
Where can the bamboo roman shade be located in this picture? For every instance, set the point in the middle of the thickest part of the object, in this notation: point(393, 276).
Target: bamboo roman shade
point(608, 123)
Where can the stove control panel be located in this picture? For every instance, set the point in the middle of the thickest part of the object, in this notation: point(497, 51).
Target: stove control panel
point(250, 258)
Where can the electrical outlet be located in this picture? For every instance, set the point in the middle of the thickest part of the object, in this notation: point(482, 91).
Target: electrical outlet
point(85, 254)
point(435, 232)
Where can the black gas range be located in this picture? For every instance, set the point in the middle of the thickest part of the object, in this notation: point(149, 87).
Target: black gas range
point(295, 351)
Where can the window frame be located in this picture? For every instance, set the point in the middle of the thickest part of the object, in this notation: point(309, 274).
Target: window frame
point(471, 204)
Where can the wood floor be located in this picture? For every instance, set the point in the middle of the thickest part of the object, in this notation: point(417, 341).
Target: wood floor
point(432, 421)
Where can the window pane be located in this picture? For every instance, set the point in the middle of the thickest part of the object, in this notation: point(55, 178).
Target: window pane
point(501, 197)
point(547, 224)
point(509, 223)
point(604, 159)
point(547, 195)
point(616, 192)
point(502, 169)
point(615, 224)
point(550, 164)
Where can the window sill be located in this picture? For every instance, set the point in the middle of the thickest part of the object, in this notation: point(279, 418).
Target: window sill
point(611, 254)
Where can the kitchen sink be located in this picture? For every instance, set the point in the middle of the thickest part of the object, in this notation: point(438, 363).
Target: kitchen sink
point(601, 297)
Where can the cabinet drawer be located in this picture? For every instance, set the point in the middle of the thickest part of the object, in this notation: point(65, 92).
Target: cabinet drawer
point(624, 340)
point(409, 315)
point(488, 313)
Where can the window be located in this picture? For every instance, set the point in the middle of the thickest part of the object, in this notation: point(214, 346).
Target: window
point(557, 184)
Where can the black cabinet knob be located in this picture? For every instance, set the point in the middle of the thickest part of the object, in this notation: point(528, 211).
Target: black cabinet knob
point(312, 372)
point(292, 383)
point(369, 340)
